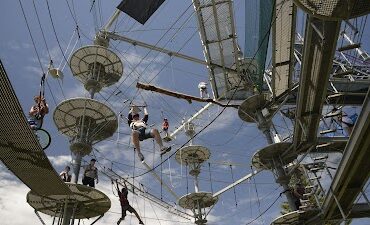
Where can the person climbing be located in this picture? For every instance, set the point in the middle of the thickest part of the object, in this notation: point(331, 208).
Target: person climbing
point(37, 112)
point(66, 177)
point(125, 205)
point(298, 193)
point(203, 89)
point(165, 126)
point(90, 174)
point(139, 132)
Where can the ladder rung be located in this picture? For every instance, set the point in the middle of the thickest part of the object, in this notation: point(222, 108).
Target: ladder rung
point(308, 194)
point(349, 47)
point(328, 131)
point(311, 186)
point(315, 169)
point(320, 158)
point(348, 72)
point(315, 178)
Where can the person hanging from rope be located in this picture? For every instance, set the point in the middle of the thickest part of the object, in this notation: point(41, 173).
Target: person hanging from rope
point(165, 126)
point(203, 89)
point(90, 174)
point(37, 112)
point(125, 205)
point(66, 177)
point(39, 109)
point(139, 132)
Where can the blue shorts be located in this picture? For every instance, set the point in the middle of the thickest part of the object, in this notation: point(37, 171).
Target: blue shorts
point(143, 133)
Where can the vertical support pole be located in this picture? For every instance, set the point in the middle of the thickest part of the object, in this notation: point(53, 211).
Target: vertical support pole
point(112, 19)
point(264, 126)
point(76, 165)
point(67, 213)
point(196, 184)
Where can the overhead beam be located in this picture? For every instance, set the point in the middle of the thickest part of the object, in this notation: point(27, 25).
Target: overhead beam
point(283, 40)
point(241, 180)
point(115, 36)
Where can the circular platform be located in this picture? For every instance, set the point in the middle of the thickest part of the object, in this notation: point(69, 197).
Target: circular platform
point(96, 67)
point(247, 110)
point(263, 159)
point(192, 154)
point(197, 200)
point(90, 202)
point(296, 217)
point(334, 9)
point(85, 119)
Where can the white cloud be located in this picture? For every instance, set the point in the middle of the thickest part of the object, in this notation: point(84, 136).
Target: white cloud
point(61, 160)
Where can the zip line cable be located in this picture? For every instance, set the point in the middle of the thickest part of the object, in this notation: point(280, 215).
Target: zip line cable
point(55, 33)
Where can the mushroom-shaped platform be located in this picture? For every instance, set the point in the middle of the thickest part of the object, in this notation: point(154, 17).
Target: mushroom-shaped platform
point(192, 154)
point(268, 157)
point(86, 201)
point(197, 200)
point(335, 9)
point(296, 217)
point(85, 119)
point(247, 110)
point(96, 67)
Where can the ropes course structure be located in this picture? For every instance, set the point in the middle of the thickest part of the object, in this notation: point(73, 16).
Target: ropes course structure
point(290, 100)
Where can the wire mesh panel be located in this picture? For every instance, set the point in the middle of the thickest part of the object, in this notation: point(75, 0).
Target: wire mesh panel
point(335, 9)
point(20, 150)
point(217, 31)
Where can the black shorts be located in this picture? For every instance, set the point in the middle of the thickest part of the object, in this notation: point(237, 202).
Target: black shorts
point(125, 208)
point(144, 134)
point(88, 181)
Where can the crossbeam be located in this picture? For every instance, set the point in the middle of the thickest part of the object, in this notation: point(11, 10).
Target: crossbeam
point(188, 98)
point(115, 36)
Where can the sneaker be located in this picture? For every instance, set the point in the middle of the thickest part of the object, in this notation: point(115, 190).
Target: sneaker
point(165, 149)
point(141, 156)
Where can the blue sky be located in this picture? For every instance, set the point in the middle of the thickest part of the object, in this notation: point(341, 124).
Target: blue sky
point(228, 138)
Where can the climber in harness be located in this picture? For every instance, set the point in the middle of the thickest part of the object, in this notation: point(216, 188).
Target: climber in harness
point(39, 109)
point(37, 112)
point(125, 205)
point(140, 133)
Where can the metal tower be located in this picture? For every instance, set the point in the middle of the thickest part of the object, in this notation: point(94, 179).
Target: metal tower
point(193, 156)
point(86, 122)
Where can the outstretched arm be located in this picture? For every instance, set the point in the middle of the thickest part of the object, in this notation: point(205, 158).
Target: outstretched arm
point(117, 185)
point(129, 118)
point(146, 115)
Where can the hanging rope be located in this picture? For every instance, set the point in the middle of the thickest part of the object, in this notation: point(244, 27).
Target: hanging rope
point(258, 199)
point(210, 176)
point(133, 172)
point(187, 179)
point(232, 177)
point(161, 180)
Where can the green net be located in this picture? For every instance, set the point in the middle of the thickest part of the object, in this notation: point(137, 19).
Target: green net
point(258, 15)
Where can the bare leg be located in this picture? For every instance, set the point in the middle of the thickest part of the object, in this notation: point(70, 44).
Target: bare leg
point(136, 141)
point(137, 215)
point(157, 137)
